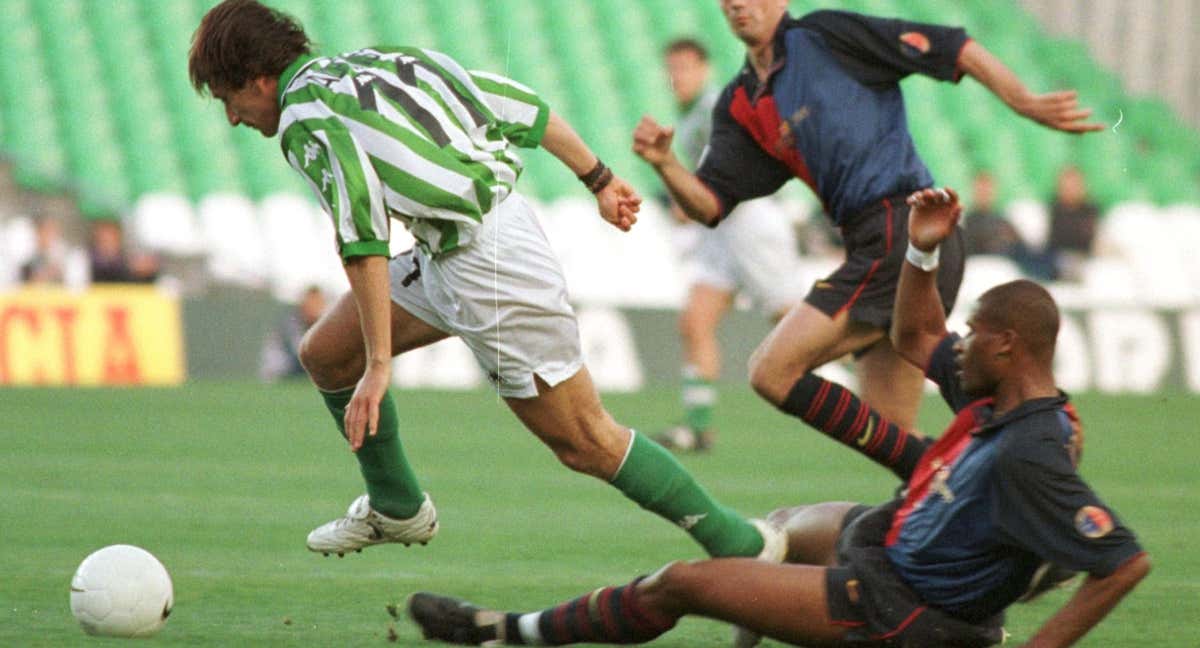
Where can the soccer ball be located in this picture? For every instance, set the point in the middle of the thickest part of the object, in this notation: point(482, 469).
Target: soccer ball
point(121, 591)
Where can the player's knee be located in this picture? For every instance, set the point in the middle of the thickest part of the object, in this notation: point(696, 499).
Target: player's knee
point(673, 582)
point(691, 330)
point(326, 369)
point(309, 354)
point(781, 516)
point(767, 379)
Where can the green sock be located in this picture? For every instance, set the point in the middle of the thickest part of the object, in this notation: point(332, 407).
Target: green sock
point(391, 484)
point(699, 396)
point(654, 479)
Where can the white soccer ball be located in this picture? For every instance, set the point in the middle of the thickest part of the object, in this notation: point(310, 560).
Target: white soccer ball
point(121, 591)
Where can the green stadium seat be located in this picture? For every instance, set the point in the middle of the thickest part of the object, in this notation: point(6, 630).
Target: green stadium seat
point(101, 103)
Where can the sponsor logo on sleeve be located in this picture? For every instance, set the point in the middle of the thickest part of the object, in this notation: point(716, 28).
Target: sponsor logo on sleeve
point(1093, 522)
point(918, 42)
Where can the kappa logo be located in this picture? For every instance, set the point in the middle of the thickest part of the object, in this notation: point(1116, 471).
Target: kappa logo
point(326, 178)
point(312, 151)
point(915, 40)
point(689, 521)
point(1093, 522)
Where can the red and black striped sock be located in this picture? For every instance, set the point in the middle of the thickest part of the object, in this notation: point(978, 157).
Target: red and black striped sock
point(840, 414)
point(607, 615)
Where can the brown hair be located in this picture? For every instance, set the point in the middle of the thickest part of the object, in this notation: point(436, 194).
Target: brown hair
point(686, 45)
point(241, 40)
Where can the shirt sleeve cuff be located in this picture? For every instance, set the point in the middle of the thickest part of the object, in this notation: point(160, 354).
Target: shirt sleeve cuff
point(538, 130)
point(958, 71)
point(1119, 557)
point(365, 248)
point(722, 211)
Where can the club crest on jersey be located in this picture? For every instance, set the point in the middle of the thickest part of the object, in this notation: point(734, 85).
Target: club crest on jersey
point(917, 41)
point(1093, 522)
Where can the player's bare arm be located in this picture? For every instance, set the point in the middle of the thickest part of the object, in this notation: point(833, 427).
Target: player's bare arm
point(618, 202)
point(1091, 603)
point(1058, 110)
point(370, 283)
point(652, 143)
point(919, 323)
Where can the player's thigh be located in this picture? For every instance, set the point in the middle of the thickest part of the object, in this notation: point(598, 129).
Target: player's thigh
point(803, 340)
point(706, 305)
point(333, 348)
point(787, 602)
point(570, 419)
point(813, 531)
point(890, 384)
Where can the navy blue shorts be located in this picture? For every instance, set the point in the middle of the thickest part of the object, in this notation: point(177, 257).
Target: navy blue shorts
point(876, 239)
point(866, 596)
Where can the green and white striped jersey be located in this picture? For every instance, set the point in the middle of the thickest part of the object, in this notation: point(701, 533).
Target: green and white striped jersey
point(408, 133)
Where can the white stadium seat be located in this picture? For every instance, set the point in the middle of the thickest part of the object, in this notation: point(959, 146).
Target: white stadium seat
point(233, 239)
point(1032, 220)
point(165, 222)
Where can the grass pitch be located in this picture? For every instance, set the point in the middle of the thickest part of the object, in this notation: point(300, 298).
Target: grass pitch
point(223, 481)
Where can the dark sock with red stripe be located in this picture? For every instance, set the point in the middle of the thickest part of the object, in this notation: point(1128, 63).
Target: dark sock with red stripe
point(607, 615)
point(840, 414)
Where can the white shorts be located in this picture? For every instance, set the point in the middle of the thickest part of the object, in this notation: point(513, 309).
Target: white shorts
point(754, 251)
point(503, 294)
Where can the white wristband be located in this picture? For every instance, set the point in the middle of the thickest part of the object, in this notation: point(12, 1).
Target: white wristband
point(927, 261)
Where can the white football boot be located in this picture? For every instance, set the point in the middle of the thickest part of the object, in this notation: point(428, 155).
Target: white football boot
point(363, 526)
point(775, 548)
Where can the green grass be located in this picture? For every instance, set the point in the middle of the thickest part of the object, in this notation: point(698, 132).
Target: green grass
point(223, 481)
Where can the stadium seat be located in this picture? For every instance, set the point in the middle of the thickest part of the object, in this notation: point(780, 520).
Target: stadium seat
point(105, 108)
point(983, 272)
point(1032, 220)
point(232, 239)
point(166, 223)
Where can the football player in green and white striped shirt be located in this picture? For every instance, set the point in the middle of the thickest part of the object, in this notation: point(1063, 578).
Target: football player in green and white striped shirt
point(407, 134)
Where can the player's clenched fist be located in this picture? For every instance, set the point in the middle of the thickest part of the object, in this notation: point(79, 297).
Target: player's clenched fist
point(933, 217)
point(652, 141)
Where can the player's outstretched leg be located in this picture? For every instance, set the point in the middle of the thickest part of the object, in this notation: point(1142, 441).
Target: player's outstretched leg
point(570, 419)
point(787, 602)
point(606, 615)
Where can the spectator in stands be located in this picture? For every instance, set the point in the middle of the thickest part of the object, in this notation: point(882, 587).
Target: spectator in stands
point(280, 357)
point(111, 263)
point(48, 263)
point(1073, 220)
point(989, 232)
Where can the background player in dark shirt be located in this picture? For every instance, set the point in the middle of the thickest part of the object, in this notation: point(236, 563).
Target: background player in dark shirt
point(985, 505)
point(819, 99)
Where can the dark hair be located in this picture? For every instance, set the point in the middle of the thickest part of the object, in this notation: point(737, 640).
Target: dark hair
point(686, 45)
point(241, 40)
point(1027, 308)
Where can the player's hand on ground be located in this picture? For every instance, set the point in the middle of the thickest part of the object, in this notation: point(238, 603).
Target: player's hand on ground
point(619, 204)
point(362, 412)
point(1060, 111)
point(652, 141)
point(933, 217)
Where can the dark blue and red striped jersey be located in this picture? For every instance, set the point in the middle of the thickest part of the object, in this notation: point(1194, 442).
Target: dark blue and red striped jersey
point(830, 112)
point(995, 497)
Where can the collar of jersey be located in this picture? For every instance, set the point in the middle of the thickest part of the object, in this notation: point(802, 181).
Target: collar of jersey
point(779, 44)
point(290, 72)
point(1021, 411)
